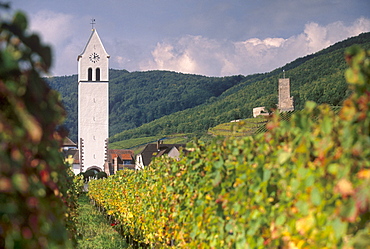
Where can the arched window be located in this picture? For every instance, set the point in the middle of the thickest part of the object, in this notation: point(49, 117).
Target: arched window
point(98, 74)
point(89, 74)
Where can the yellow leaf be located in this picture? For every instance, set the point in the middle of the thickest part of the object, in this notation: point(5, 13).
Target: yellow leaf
point(364, 174)
point(303, 225)
point(238, 181)
point(344, 187)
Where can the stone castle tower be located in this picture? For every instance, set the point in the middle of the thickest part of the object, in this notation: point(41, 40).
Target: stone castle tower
point(285, 100)
point(93, 104)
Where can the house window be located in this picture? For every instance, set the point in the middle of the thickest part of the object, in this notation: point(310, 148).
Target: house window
point(89, 74)
point(98, 74)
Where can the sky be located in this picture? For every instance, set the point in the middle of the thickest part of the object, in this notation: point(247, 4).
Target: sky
point(205, 37)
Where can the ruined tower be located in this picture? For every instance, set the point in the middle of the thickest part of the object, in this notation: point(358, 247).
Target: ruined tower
point(285, 100)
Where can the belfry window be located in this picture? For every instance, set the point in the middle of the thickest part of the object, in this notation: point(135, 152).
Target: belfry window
point(97, 74)
point(89, 74)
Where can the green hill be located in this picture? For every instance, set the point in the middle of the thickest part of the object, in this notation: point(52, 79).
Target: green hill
point(318, 77)
point(137, 98)
point(157, 103)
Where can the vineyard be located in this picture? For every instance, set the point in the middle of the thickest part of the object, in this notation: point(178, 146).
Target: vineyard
point(302, 182)
point(240, 128)
point(305, 183)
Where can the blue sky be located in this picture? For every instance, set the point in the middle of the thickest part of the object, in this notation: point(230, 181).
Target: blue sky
point(207, 37)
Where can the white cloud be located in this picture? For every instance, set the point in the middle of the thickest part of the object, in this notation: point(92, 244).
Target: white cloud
point(54, 27)
point(200, 55)
point(190, 53)
point(61, 32)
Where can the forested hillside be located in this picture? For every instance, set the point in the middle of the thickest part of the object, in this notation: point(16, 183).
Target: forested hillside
point(140, 97)
point(161, 102)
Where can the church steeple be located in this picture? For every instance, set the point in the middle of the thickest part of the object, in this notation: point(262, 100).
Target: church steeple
point(93, 61)
point(93, 104)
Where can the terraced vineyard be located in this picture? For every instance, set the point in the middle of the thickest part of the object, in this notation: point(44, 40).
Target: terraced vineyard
point(245, 127)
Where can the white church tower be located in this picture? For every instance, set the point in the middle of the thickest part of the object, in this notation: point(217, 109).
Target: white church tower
point(93, 104)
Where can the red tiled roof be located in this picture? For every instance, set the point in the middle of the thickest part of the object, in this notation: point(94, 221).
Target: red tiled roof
point(129, 154)
point(125, 156)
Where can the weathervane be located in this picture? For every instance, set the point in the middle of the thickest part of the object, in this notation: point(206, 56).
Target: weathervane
point(92, 23)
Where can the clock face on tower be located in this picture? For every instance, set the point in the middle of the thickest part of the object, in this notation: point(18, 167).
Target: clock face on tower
point(94, 57)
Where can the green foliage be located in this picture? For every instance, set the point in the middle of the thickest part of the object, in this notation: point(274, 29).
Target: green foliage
point(35, 202)
point(67, 87)
point(78, 184)
point(89, 174)
point(140, 97)
point(101, 175)
point(302, 184)
point(92, 174)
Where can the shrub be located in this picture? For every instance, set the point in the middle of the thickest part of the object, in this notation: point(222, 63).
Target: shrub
point(89, 174)
point(101, 175)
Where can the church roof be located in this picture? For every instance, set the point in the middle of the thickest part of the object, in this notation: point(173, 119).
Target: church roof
point(94, 35)
point(122, 154)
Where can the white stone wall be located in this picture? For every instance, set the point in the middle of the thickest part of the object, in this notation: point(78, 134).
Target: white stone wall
point(257, 111)
point(139, 164)
point(93, 122)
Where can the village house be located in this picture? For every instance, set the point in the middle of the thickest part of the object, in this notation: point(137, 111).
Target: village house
point(158, 149)
point(119, 160)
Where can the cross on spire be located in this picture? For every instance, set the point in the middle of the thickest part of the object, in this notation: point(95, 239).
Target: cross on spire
point(92, 23)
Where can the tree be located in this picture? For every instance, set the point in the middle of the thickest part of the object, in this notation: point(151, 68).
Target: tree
point(33, 176)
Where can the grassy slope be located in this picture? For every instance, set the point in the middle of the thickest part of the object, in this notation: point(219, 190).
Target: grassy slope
point(94, 229)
